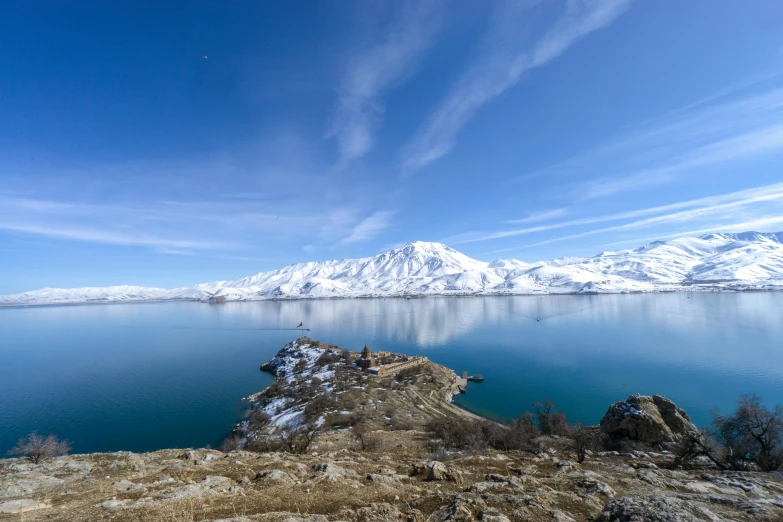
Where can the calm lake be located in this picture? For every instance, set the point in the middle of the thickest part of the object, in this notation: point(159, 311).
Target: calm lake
point(156, 375)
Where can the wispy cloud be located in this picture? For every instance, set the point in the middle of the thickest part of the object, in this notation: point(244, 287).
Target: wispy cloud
point(727, 227)
point(671, 212)
point(713, 132)
point(188, 227)
point(114, 237)
point(504, 58)
point(719, 211)
point(538, 217)
point(377, 69)
point(751, 144)
point(369, 227)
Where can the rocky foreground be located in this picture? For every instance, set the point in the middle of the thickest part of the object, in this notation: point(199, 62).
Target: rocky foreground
point(397, 476)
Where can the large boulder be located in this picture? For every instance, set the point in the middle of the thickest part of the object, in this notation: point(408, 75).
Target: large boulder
point(435, 470)
point(651, 420)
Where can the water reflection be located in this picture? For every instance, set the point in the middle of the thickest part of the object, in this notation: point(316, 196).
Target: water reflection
point(145, 376)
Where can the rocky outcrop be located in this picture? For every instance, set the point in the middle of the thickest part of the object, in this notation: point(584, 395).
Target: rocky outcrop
point(651, 420)
point(434, 470)
point(640, 509)
point(399, 482)
point(13, 507)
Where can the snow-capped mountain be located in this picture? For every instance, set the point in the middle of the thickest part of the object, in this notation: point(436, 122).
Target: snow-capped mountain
point(746, 261)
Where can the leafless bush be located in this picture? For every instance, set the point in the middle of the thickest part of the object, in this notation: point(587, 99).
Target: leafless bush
point(327, 358)
point(521, 432)
point(583, 439)
point(361, 431)
point(293, 440)
point(371, 442)
point(230, 443)
point(402, 424)
point(550, 422)
point(318, 406)
point(458, 433)
point(408, 374)
point(38, 448)
point(258, 419)
point(441, 454)
point(558, 425)
point(752, 434)
point(273, 391)
point(694, 445)
point(265, 444)
point(306, 391)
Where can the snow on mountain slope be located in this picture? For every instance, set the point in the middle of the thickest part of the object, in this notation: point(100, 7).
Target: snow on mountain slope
point(750, 260)
point(86, 295)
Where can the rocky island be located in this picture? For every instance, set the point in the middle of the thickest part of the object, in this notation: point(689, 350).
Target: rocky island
point(369, 436)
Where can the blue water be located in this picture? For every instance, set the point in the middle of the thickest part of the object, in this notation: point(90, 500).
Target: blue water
point(148, 376)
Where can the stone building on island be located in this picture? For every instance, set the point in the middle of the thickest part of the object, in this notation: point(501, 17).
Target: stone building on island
point(366, 360)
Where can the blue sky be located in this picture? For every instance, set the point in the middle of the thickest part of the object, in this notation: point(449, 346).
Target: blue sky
point(170, 143)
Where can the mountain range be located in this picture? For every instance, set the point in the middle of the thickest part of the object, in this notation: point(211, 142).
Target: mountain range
point(744, 261)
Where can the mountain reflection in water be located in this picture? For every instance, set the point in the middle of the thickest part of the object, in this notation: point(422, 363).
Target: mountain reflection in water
point(146, 376)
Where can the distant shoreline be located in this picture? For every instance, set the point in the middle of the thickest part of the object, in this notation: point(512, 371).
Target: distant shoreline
point(694, 289)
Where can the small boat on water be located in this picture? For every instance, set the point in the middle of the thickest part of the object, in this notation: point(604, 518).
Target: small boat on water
point(476, 377)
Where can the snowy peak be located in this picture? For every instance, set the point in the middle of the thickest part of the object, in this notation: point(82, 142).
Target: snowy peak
point(426, 259)
point(744, 261)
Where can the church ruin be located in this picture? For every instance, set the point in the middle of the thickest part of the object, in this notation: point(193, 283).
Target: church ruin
point(367, 361)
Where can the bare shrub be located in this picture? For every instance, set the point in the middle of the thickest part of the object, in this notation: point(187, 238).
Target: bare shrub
point(372, 442)
point(475, 434)
point(297, 440)
point(327, 358)
point(495, 435)
point(343, 420)
point(521, 432)
point(558, 425)
point(458, 433)
point(694, 445)
point(402, 424)
point(38, 448)
point(258, 419)
point(408, 374)
point(550, 422)
point(272, 391)
point(361, 430)
point(583, 439)
point(265, 444)
point(543, 411)
point(318, 406)
point(441, 454)
point(752, 434)
point(230, 443)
